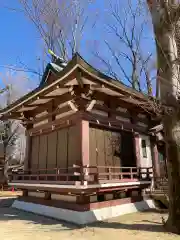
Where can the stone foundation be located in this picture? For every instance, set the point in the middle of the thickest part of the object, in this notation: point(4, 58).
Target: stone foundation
point(100, 213)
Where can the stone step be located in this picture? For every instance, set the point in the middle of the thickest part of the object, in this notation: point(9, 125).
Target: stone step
point(161, 198)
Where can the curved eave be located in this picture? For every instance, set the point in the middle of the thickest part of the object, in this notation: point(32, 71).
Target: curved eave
point(54, 68)
point(96, 73)
point(77, 62)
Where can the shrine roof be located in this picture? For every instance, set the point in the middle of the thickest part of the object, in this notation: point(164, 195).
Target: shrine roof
point(64, 78)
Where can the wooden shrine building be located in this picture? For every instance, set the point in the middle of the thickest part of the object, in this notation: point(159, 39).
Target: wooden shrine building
point(89, 153)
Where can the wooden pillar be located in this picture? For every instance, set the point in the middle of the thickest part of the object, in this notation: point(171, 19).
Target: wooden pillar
point(129, 193)
point(84, 127)
point(25, 193)
point(137, 149)
point(83, 199)
point(47, 196)
point(155, 158)
point(28, 151)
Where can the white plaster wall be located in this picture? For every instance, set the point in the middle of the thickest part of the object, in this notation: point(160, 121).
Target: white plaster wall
point(63, 197)
point(108, 196)
point(36, 194)
point(93, 198)
point(145, 162)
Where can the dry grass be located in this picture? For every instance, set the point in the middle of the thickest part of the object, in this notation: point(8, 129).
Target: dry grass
point(10, 193)
point(18, 225)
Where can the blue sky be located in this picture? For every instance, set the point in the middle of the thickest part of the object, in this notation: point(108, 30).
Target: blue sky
point(20, 40)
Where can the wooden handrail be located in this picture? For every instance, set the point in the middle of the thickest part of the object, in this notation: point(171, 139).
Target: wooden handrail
point(84, 173)
point(87, 167)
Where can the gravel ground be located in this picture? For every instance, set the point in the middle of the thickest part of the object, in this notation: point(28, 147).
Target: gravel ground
point(19, 225)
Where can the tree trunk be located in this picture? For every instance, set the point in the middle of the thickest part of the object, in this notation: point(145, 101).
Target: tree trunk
point(172, 129)
point(5, 180)
point(168, 69)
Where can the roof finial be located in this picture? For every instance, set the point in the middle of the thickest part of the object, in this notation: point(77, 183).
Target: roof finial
point(57, 59)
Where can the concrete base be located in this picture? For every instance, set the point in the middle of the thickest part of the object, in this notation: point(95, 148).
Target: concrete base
point(82, 218)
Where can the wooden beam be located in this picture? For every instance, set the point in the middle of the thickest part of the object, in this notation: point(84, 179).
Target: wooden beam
point(46, 97)
point(132, 104)
point(51, 97)
point(111, 112)
point(13, 116)
point(113, 85)
point(65, 97)
point(50, 114)
point(115, 124)
point(58, 124)
point(72, 105)
point(79, 78)
point(91, 105)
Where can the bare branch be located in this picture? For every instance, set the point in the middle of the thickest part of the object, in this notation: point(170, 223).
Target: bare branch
point(126, 31)
point(59, 23)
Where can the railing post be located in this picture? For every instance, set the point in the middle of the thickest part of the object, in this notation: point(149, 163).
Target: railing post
point(57, 173)
point(139, 173)
point(121, 174)
point(110, 175)
point(96, 176)
point(82, 175)
point(131, 173)
point(148, 176)
point(86, 173)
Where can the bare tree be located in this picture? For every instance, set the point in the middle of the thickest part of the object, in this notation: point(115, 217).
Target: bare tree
point(166, 21)
point(12, 132)
point(131, 60)
point(8, 136)
point(59, 23)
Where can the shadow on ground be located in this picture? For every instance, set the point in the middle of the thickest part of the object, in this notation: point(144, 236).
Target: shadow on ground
point(10, 214)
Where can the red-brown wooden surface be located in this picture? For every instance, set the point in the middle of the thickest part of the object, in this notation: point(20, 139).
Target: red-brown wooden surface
point(91, 174)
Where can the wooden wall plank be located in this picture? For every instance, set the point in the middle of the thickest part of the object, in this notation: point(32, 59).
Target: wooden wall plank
point(43, 152)
point(116, 140)
point(51, 154)
point(92, 147)
point(74, 146)
point(84, 138)
point(100, 148)
point(35, 153)
point(108, 147)
point(107, 144)
point(62, 145)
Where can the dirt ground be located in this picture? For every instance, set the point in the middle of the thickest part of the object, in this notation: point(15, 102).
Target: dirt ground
point(19, 225)
point(10, 193)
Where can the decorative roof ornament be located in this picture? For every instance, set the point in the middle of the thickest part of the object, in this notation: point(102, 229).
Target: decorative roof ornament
point(56, 66)
point(57, 60)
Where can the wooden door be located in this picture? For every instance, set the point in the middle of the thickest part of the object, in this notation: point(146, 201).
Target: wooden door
point(127, 150)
